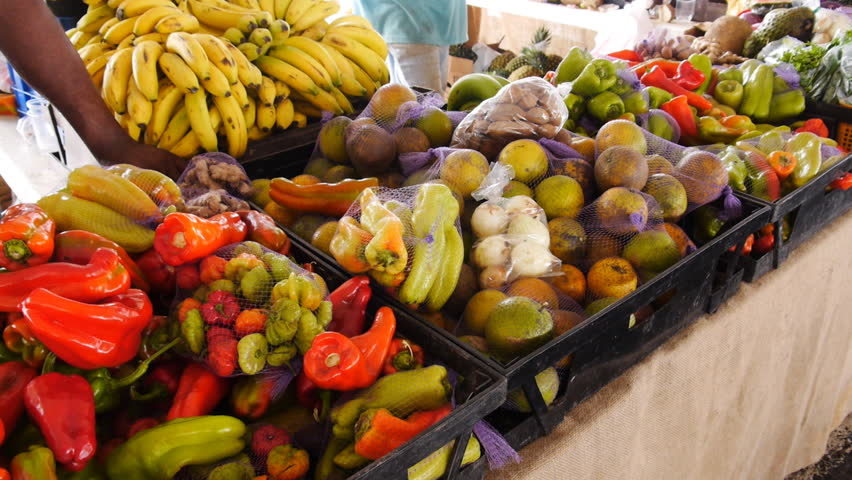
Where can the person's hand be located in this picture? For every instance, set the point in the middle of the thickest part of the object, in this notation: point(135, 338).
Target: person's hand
point(147, 156)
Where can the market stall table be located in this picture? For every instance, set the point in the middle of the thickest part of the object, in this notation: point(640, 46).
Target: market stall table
point(751, 392)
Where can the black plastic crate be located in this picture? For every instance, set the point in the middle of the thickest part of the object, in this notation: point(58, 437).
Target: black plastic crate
point(810, 208)
point(837, 118)
point(480, 389)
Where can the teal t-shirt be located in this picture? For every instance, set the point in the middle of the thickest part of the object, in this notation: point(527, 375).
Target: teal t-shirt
point(431, 22)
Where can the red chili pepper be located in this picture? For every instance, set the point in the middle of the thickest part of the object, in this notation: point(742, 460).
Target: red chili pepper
point(688, 76)
point(815, 126)
point(349, 306)
point(14, 377)
point(155, 269)
point(309, 396)
point(628, 55)
point(657, 78)
point(89, 336)
point(199, 391)
point(782, 162)
point(63, 407)
point(141, 425)
point(251, 396)
point(842, 183)
point(26, 237)
point(78, 246)
point(263, 230)
point(403, 355)
point(749, 242)
point(164, 379)
point(184, 238)
point(336, 362)
point(4, 474)
point(764, 244)
point(669, 67)
point(18, 338)
point(222, 351)
point(679, 109)
point(187, 277)
point(102, 277)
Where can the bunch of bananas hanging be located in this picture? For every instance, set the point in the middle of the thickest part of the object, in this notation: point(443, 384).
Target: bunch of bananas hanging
point(185, 75)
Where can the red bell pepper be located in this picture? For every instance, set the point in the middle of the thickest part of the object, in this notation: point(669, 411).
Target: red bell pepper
point(349, 306)
point(679, 109)
point(628, 55)
point(842, 183)
point(157, 271)
point(378, 432)
point(18, 338)
point(403, 355)
point(251, 396)
point(336, 362)
point(314, 399)
point(184, 238)
point(26, 237)
point(688, 76)
point(199, 391)
point(764, 244)
point(222, 351)
point(669, 67)
point(14, 377)
point(102, 277)
point(655, 77)
point(63, 407)
point(89, 336)
point(187, 277)
point(815, 126)
point(161, 382)
point(263, 230)
point(78, 246)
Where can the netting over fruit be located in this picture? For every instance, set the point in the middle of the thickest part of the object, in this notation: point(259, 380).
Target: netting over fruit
point(254, 310)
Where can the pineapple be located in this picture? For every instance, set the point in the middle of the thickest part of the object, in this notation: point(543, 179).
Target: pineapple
point(517, 62)
point(552, 63)
point(541, 39)
point(531, 56)
point(500, 62)
point(524, 72)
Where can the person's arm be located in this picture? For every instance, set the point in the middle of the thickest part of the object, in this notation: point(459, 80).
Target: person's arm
point(33, 41)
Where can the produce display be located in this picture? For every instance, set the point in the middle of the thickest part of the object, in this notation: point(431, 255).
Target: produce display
point(200, 75)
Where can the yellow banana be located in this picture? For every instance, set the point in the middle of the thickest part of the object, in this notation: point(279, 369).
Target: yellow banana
point(119, 31)
point(145, 57)
point(316, 32)
point(298, 8)
point(249, 4)
point(318, 52)
point(367, 59)
point(183, 6)
point(133, 8)
point(265, 117)
point(264, 19)
point(366, 36)
point(70, 32)
point(255, 134)
point(344, 102)
point(217, 84)
point(267, 92)
point(95, 3)
point(348, 84)
point(305, 63)
point(250, 113)
point(292, 76)
point(139, 108)
point(325, 102)
point(146, 22)
point(94, 18)
point(235, 36)
point(93, 28)
point(300, 119)
point(260, 36)
point(268, 6)
point(121, 120)
point(280, 31)
point(179, 72)
point(281, 8)
point(366, 82)
point(234, 123)
point(154, 37)
point(80, 39)
point(164, 108)
point(227, 5)
point(199, 119)
point(249, 50)
point(307, 109)
point(246, 24)
point(176, 129)
point(355, 20)
point(90, 52)
point(188, 48)
point(216, 16)
point(282, 91)
point(189, 145)
point(95, 39)
point(114, 3)
point(318, 11)
point(219, 55)
point(284, 114)
point(247, 73)
point(126, 43)
point(180, 22)
point(133, 130)
point(98, 79)
point(119, 69)
point(99, 62)
point(107, 25)
point(238, 90)
point(216, 32)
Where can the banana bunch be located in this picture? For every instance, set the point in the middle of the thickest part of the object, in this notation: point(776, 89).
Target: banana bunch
point(192, 75)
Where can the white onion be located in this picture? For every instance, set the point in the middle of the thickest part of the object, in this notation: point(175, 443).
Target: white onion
point(523, 204)
point(493, 250)
point(531, 259)
point(493, 277)
point(530, 228)
point(489, 219)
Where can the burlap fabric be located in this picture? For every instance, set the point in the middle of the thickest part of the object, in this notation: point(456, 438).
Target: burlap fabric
point(752, 392)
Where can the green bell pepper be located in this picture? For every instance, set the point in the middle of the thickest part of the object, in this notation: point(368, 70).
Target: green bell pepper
point(37, 463)
point(736, 167)
point(806, 147)
point(771, 141)
point(660, 126)
point(731, 73)
point(636, 103)
point(598, 76)
point(757, 93)
point(160, 452)
point(779, 85)
point(703, 64)
point(606, 106)
point(749, 135)
point(786, 105)
point(657, 96)
point(576, 106)
point(706, 223)
point(572, 65)
point(729, 93)
point(620, 87)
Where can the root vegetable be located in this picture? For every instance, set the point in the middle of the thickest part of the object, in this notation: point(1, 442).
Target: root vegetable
point(489, 219)
point(530, 228)
point(531, 259)
point(492, 251)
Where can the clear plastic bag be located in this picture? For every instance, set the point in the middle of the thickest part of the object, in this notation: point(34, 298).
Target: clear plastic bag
point(214, 183)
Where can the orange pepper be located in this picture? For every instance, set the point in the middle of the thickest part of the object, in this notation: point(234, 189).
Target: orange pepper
point(212, 269)
point(185, 238)
point(332, 199)
point(185, 307)
point(386, 251)
point(782, 162)
point(286, 462)
point(349, 244)
point(250, 321)
point(378, 432)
